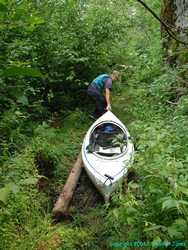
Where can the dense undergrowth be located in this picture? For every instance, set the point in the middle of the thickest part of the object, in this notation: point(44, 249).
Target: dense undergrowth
point(42, 134)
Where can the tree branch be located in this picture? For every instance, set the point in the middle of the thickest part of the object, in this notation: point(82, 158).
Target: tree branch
point(168, 30)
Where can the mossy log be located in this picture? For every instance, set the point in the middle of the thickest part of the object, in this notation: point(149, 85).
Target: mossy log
point(62, 204)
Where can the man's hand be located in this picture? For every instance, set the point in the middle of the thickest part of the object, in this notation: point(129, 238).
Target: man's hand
point(108, 107)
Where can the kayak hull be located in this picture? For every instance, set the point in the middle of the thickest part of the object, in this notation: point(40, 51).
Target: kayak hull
point(107, 172)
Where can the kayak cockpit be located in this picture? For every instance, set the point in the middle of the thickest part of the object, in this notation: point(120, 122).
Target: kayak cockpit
point(107, 139)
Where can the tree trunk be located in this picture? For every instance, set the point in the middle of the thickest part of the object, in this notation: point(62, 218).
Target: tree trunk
point(175, 14)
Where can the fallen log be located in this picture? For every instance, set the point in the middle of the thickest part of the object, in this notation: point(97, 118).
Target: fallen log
point(62, 204)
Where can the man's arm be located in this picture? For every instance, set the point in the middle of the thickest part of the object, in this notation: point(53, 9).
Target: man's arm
point(107, 97)
point(107, 87)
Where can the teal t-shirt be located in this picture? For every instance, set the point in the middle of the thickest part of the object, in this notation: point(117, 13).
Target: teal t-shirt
point(100, 82)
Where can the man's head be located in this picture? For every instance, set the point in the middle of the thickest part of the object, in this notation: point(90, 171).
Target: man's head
point(115, 75)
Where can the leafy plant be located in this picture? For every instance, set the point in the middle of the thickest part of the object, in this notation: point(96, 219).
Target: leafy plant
point(120, 141)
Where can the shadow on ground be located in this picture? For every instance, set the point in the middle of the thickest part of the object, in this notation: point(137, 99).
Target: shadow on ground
point(86, 195)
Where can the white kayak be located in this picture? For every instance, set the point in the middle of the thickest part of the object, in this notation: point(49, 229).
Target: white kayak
point(107, 152)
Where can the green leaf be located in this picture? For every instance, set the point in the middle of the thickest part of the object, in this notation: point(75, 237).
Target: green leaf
point(168, 204)
point(24, 100)
point(174, 233)
point(166, 243)
point(116, 213)
point(183, 190)
point(30, 181)
point(21, 71)
point(185, 66)
point(5, 191)
point(153, 228)
point(181, 224)
point(133, 185)
point(156, 242)
point(183, 202)
point(178, 228)
point(131, 210)
point(34, 20)
point(3, 8)
point(130, 220)
point(18, 13)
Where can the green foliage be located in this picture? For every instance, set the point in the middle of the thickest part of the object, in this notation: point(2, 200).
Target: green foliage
point(49, 49)
point(5, 191)
point(154, 210)
point(49, 54)
point(20, 71)
point(23, 204)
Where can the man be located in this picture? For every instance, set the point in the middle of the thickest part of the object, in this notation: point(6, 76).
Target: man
point(99, 91)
